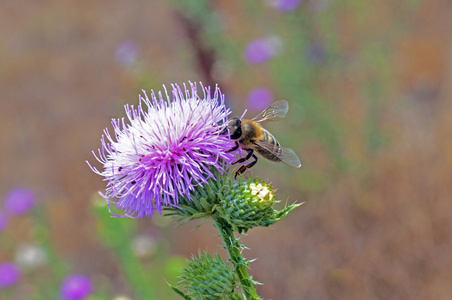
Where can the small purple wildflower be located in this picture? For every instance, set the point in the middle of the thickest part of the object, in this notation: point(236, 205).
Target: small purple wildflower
point(287, 5)
point(126, 53)
point(3, 221)
point(258, 51)
point(316, 53)
point(261, 50)
point(9, 274)
point(19, 201)
point(75, 287)
point(259, 98)
point(165, 151)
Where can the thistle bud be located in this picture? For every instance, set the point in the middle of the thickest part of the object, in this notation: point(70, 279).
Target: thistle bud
point(208, 278)
point(250, 204)
point(243, 205)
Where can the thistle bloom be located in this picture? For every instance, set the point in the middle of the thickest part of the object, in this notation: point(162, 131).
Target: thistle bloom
point(261, 50)
point(259, 98)
point(165, 151)
point(127, 53)
point(19, 201)
point(316, 53)
point(76, 287)
point(287, 5)
point(9, 274)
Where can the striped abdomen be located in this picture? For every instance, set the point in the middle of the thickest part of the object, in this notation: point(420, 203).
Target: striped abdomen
point(272, 145)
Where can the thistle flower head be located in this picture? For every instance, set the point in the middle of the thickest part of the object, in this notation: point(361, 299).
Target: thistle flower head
point(167, 148)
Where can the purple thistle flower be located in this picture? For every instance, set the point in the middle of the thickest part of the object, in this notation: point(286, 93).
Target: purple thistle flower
point(9, 274)
point(316, 53)
point(261, 50)
point(259, 98)
point(19, 201)
point(287, 5)
point(126, 53)
point(165, 151)
point(75, 287)
point(258, 51)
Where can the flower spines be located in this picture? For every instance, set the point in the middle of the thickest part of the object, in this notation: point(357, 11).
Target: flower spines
point(201, 202)
point(209, 278)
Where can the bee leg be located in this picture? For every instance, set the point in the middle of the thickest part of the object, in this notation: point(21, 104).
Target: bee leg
point(233, 148)
point(243, 168)
point(243, 159)
point(239, 171)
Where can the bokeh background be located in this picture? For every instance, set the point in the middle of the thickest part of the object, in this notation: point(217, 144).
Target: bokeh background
point(368, 84)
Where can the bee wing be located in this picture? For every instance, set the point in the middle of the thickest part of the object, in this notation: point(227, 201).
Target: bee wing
point(286, 155)
point(276, 111)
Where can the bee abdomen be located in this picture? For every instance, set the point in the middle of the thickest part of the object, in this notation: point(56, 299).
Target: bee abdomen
point(273, 144)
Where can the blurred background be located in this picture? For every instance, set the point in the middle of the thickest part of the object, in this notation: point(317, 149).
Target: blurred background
point(367, 83)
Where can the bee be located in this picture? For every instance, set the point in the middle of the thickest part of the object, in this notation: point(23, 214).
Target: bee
point(252, 137)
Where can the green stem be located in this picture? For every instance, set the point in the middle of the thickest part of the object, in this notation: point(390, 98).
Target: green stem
point(240, 264)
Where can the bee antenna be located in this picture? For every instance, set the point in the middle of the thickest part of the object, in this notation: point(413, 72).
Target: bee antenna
point(243, 114)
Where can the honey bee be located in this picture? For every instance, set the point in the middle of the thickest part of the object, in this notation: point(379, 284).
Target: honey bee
point(252, 137)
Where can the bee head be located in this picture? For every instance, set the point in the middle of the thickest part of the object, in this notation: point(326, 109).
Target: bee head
point(234, 127)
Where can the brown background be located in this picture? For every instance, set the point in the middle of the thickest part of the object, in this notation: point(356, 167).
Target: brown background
point(384, 233)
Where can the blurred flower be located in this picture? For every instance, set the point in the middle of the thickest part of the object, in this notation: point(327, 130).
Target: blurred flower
point(143, 245)
point(126, 53)
point(30, 256)
point(121, 297)
point(260, 50)
point(9, 274)
point(165, 151)
point(76, 287)
point(316, 53)
point(3, 221)
point(286, 5)
point(19, 201)
point(259, 98)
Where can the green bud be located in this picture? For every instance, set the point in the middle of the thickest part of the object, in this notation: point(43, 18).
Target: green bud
point(243, 205)
point(208, 278)
point(250, 204)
